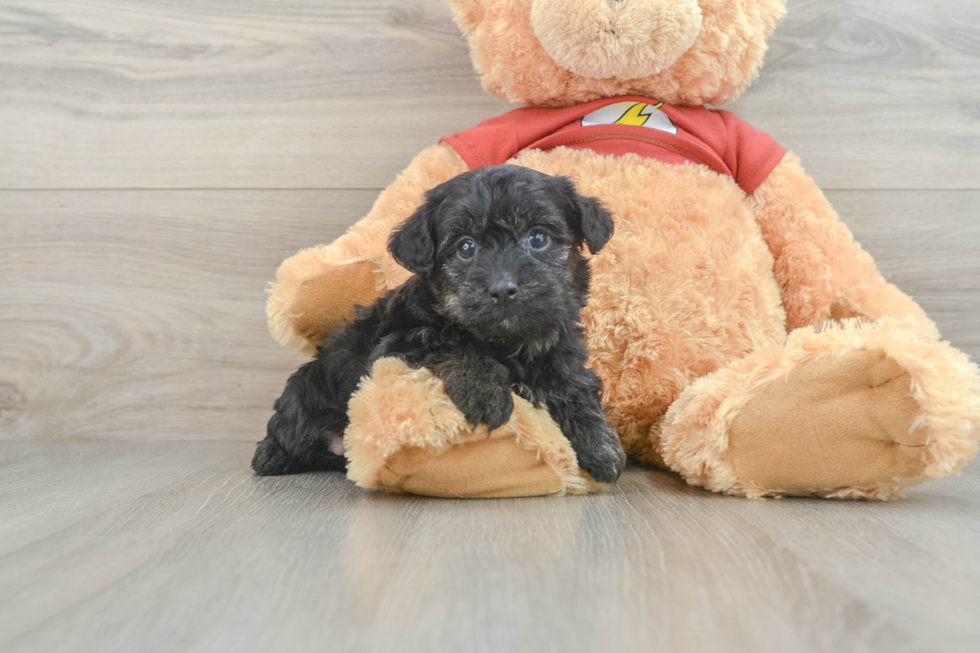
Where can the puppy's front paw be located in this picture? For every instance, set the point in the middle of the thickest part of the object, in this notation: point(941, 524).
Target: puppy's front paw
point(490, 406)
point(604, 459)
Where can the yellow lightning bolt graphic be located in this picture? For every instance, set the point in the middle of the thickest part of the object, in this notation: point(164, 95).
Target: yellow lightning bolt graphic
point(633, 115)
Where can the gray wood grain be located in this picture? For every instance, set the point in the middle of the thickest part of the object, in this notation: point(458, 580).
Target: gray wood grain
point(873, 94)
point(342, 93)
point(139, 315)
point(223, 94)
point(219, 560)
point(48, 490)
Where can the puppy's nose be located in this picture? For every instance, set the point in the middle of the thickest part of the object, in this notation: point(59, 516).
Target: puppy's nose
point(503, 291)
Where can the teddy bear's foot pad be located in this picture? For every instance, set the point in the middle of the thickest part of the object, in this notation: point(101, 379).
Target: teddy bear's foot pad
point(328, 300)
point(482, 468)
point(834, 422)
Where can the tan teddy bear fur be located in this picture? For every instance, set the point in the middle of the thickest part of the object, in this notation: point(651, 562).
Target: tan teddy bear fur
point(746, 342)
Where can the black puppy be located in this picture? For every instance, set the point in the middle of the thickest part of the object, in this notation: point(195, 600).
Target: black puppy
point(493, 307)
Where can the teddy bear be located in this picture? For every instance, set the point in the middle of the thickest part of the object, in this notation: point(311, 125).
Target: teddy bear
point(744, 339)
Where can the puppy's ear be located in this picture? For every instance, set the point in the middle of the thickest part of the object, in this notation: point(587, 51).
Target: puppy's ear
point(413, 244)
point(597, 223)
point(589, 219)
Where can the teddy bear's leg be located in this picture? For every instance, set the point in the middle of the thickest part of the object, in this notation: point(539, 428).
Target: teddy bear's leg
point(858, 409)
point(317, 289)
point(863, 399)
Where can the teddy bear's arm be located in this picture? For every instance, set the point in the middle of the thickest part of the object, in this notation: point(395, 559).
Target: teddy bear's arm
point(317, 289)
point(823, 274)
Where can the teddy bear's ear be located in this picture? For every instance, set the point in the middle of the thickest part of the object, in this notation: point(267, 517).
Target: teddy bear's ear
point(467, 13)
point(413, 244)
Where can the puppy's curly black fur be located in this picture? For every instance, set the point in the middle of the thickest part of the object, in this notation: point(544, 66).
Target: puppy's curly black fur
point(493, 307)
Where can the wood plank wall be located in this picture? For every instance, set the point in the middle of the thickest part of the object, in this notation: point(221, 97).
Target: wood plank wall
point(158, 158)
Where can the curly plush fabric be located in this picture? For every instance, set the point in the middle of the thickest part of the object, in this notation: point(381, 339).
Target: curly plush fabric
point(721, 62)
point(628, 40)
point(684, 286)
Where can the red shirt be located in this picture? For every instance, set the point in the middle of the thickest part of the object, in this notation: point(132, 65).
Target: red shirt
point(616, 126)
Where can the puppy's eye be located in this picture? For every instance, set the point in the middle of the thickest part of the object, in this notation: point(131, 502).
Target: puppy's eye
point(466, 249)
point(538, 239)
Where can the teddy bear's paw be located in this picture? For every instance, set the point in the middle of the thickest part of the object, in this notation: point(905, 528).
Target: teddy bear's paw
point(326, 301)
point(313, 297)
point(833, 422)
point(406, 435)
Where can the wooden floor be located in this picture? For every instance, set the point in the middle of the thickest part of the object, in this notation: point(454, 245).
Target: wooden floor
point(159, 158)
point(124, 546)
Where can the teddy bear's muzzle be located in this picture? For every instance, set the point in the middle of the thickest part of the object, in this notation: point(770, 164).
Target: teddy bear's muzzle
point(616, 38)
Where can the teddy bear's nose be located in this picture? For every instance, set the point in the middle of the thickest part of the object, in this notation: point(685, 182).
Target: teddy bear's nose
point(615, 38)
